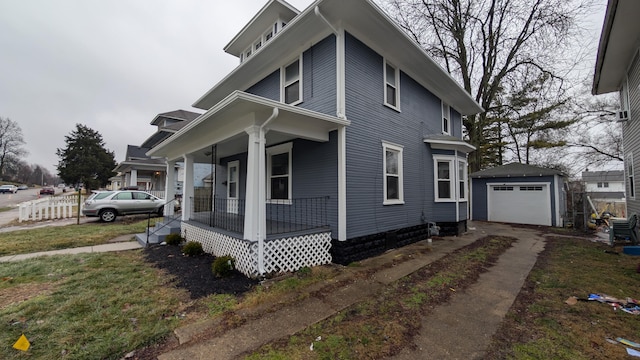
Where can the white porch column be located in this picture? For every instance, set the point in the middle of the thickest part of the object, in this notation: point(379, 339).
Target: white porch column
point(134, 178)
point(125, 181)
point(342, 183)
point(255, 209)
point(187, 187)
point(170, 186)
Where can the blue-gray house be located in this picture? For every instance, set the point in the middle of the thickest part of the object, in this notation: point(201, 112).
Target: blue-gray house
point(335, 138)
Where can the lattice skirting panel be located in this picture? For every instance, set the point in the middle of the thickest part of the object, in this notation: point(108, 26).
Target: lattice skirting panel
point(218, 244)
point(281, 255)
point(292, 253)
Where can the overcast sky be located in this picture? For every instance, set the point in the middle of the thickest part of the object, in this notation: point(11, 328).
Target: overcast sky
point(113, 65)
point(110, 65)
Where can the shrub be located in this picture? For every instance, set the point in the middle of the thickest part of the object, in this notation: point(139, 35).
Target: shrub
point(223, 265)
point(173, 239)
point(192, 248)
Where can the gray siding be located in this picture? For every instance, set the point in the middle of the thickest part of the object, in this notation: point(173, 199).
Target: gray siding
point(315, 174)
point(371, 124)
point(631, 136)
point(318, 79)
point(268, 87)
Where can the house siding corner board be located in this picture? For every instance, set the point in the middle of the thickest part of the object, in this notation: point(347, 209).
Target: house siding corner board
point(318, 79)
point(281, 255)
point(373, 123)
point(631, 135)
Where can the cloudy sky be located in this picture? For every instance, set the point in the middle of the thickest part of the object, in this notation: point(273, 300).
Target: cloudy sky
point(114, 65)
point(110, 65)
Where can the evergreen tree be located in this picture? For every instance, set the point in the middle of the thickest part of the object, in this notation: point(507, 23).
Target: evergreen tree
point(85, 159)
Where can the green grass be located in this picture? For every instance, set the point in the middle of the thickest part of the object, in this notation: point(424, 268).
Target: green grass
point(60, 237)
point(555, 330)
point(90, 306)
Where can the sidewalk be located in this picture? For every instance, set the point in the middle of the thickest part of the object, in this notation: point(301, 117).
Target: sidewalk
point(115, 246)
point(478, 311)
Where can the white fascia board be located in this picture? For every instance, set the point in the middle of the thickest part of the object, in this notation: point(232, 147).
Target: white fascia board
point(460, 145)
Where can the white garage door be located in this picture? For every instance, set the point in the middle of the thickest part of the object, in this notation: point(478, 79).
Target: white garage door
point(519, 203)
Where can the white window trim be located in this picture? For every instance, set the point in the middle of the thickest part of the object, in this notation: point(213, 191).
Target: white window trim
point(283, 84)
point(396, 85)
point(446, 117)
point(453, 170)
point(630, 176)
point(276, 150)
point(465, 179)
point(399, 149)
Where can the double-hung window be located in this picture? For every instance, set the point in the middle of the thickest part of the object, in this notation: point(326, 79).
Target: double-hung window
point(446, 118)
point(462, 180)
point(444, 178)
point(391, 86)
point(279, 172)
point(631, 176)
point(393, 178)
point(291, 92)
point(450, 178)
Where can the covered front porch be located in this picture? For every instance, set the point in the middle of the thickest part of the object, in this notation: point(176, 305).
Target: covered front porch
point(258, 210)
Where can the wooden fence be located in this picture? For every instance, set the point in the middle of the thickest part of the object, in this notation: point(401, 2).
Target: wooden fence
point(53, 207)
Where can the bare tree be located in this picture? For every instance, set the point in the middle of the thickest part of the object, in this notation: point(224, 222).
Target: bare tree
point(597, 138)
point(11, 142)
point(491, 45)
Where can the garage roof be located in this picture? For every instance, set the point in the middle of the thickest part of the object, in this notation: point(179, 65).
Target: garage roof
point(515, 170)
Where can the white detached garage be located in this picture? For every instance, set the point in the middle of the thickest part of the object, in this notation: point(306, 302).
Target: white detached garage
point(519, 193)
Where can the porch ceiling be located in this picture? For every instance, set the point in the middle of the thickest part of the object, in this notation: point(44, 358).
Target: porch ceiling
point(225, 124)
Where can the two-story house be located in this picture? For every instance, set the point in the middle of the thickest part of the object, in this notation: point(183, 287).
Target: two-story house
point(335, 138)
point(618, 70)
point(143, 172)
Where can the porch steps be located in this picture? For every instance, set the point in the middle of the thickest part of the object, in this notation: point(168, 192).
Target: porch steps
point(158, 233)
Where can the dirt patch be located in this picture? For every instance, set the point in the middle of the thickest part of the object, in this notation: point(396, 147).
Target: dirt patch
point(194, 274)
point(23, 292)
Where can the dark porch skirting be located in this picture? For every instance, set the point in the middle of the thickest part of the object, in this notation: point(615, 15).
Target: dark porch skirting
point(355, 249)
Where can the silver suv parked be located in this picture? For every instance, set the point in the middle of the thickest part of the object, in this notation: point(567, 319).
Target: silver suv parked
point(109, 204)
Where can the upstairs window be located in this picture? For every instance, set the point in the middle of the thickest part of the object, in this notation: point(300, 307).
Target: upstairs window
point(392, 165)
point(391, 88)
point(291, 92)
point(257, 45)
point(446, 118)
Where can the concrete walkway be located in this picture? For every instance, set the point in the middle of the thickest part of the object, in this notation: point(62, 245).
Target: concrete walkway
point(468, 313)
point(115, 246)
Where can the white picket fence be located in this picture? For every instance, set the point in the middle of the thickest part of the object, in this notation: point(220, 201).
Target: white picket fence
point(53, 207)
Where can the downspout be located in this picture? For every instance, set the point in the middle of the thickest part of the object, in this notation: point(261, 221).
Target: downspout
point(262, 194)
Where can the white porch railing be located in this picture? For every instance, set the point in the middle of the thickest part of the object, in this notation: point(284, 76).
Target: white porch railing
point(157, 193)
point(54, 207)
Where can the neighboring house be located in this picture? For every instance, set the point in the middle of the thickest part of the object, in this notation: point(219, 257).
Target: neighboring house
point(606, 190)
point(618, 70)
point(337, 137)
point(519, 193)
point(142, 171)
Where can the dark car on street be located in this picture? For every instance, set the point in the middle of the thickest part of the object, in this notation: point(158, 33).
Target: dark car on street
point(47, 190)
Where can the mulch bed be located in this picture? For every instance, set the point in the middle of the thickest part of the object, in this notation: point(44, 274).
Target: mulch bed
point(194, 273)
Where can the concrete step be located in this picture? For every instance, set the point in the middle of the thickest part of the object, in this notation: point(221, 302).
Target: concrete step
point(158, 233)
